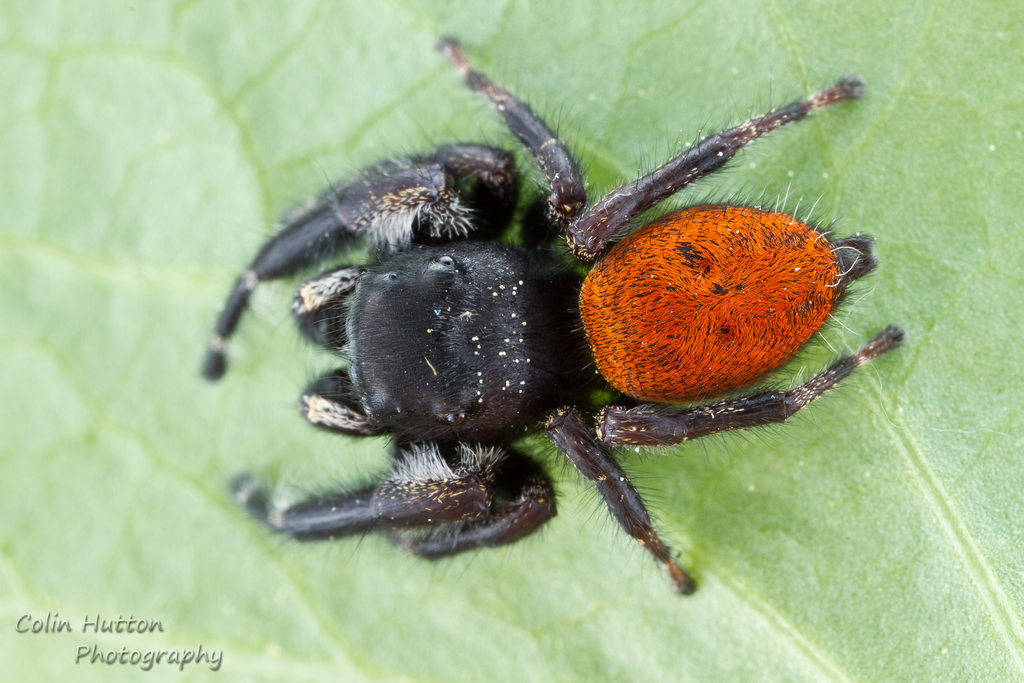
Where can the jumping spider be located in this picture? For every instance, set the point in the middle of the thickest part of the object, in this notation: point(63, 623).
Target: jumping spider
point(458, 345)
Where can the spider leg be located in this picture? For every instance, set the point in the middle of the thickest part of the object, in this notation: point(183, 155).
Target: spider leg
point(590, 233)
point(495, 167)
point(422, 489)
point(331, 403)
point(533, 505)
point(492, 200)
point(384, 205)
point(654, 425)
point(568, 195)
point(320, 307)
point(565, 428)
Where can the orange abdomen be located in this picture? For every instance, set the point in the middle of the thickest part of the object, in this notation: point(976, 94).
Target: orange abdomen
point(707, 300)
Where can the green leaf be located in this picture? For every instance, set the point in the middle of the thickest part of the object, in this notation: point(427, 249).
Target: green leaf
point(145, 150)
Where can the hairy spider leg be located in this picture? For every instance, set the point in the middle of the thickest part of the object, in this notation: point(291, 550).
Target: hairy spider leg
point(588, 236)
point(332, 403)
point(532, 506)
point(657, 425)
point(425, 505)
point(422, 489)
point(568, 194)
point(320, 307)
point(566, 430)
point(383, 205)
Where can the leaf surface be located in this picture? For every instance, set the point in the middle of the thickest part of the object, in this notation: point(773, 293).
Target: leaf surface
point(145, 151)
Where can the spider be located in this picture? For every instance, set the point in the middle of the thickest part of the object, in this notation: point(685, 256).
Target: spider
point(458, 345)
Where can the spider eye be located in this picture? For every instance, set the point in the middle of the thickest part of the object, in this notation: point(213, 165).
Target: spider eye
point(454, 418)
point(446, 261)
